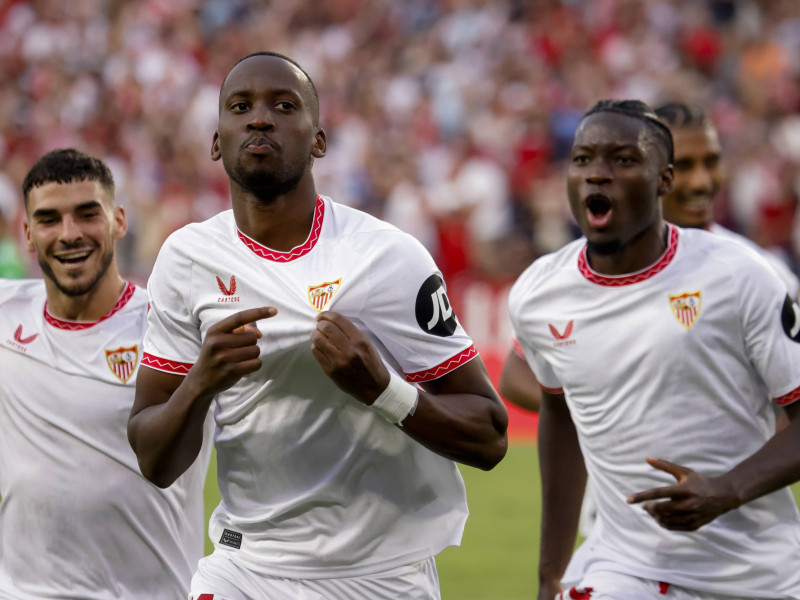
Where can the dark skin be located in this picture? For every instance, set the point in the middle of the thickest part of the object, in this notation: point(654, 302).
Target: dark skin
point(518, 383)
point(695, 499)
point(267, 139)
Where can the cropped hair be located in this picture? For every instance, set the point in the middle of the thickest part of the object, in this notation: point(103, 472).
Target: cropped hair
point(639, 110)
point(67, 165)
point(291, 61)
point(678, 115)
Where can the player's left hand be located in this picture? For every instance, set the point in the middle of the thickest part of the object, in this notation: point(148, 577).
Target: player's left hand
point(693, 502)
point(348, 357)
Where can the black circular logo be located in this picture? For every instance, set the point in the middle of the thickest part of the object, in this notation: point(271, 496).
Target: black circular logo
point(790, 318)
point(433, 311)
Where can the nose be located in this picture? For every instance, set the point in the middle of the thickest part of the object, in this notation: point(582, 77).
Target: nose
point(71, 231)
point(598, 171)
point(700, 180)
point(260, 119)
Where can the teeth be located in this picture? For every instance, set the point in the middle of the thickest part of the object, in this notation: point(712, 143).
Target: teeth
point(74, 255)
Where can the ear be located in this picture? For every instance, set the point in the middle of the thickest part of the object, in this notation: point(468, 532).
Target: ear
point(320, 144)
point(215, 153)
point(666, 179)
point(120, 222)
point(28, 241)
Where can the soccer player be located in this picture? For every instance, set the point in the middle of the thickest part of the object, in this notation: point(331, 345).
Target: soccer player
point(676, 338)
point(699, 176)
point(308, 326)
point(77, 519)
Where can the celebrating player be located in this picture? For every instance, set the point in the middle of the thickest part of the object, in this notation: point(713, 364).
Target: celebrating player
point(308, 324)
point(77, 519)
point(676, 338)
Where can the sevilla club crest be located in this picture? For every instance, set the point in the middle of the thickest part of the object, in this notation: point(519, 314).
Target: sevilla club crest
point(686, 308)
point(320, 295)
point(123, 361)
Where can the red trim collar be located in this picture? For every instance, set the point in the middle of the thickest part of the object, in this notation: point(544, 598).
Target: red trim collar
point(297, 251)
point(630, 278)
point(127, 294)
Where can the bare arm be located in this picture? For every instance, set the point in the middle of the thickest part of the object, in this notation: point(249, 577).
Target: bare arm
point(696, 499)
point(458, 416)
point(518, 383)
point(563, 482)
point(165, 427)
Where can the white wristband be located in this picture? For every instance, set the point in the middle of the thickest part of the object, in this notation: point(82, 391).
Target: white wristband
point(397, 401)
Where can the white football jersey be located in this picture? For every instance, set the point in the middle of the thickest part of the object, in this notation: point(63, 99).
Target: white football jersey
point(313, 482)
point(675, 362)
point(77, 519)
point(783, 271)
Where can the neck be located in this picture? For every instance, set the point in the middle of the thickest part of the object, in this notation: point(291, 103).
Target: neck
point(635, 255)
point(89, 307)
point(281, 222)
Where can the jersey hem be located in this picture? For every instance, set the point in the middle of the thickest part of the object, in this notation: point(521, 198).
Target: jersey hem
point(444, 367)
point(675, 579)
point(167, 366)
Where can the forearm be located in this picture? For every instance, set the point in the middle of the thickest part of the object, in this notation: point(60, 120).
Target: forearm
point(167, 437)
point(466, 428)
point(775, 465)
point(563, 477)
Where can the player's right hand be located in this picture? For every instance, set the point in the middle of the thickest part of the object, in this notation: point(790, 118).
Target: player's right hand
point(230, 351)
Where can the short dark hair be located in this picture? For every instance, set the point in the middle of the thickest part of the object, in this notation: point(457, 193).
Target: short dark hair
point(314, 93)
point(639, 110)
point(67, 165)
point(678, 115)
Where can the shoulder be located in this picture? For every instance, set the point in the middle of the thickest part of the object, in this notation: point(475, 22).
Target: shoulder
point(21, 290)
point(371, 235)
point(543, 271)
point(199, 235)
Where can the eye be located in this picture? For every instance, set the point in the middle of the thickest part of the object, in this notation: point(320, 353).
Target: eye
point(624, 159)
point(285, 106)
point(238, 107)
point(580, 159)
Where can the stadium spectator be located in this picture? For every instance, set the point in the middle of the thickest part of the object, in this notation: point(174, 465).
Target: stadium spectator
point(78, 520)
point(652, 343)
point(116, 78)
point(12, 265)
point(336, 472)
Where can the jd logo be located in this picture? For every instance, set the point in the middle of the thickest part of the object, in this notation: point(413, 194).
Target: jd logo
point(433, 311)
point(790, 319)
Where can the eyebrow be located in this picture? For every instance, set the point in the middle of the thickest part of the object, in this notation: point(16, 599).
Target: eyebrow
point(46, 212)
point(245, 93)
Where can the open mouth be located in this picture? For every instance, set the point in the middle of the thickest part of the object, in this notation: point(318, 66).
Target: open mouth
point(73, 258)
point(598, 210)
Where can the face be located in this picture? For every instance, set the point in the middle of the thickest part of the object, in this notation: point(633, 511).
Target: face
point(615, 176)
point(698, 177)
point(267, 135)
point(73, 228)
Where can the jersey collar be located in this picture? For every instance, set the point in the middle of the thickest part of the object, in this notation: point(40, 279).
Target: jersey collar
point(297, 251)
point(630, 278)
point(127, 294)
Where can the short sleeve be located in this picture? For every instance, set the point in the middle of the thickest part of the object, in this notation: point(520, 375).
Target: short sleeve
point(172, 342)
point(518, 304)
point(771, 321)
point(409, 312)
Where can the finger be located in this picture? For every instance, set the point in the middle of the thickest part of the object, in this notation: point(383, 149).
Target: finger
point(249, 327)
point(671, 491)
point(334, 334)
point(677, 471)
point(243, 317)
point(342, 322)
point(322, 359)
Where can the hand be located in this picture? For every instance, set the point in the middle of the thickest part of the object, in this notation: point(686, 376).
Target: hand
point(230, 350)
point(693, 502)
point(348, 357)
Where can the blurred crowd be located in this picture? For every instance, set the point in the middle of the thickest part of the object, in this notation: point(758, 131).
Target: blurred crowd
point(449, 118)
